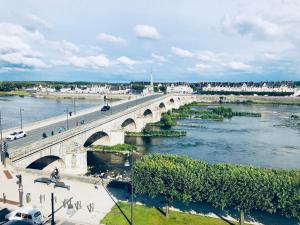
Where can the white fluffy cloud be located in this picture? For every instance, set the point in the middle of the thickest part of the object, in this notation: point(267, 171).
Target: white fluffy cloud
point(146, 32)
point(159, 58)
point(182, 52)
point(38, 21)
point(111, 38)
point(15, 47)
point(127, 61)
point(94, 62)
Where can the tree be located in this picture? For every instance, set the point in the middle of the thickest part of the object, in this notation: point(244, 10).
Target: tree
point(57, 87)
point(155, 89)
point(223, 185)
point(138, 87)
point(163, 88)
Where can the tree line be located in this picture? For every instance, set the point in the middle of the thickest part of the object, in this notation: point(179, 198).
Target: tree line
point(223, 185)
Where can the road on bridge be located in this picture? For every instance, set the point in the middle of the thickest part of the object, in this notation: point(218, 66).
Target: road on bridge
point(37, 134)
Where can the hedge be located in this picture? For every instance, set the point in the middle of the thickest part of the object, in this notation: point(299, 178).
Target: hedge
point(223, 185)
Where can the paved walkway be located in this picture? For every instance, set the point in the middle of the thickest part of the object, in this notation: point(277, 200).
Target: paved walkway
point(88, 195)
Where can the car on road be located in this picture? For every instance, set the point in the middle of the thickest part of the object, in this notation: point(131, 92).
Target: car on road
point(28, 214)
point(16, 135)
point(105, 108)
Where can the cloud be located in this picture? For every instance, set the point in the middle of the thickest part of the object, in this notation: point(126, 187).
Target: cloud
point(127, 61)
point(146, 32)
point(15, 47)
point(238, 66)
point(254, 26)
point(94, 62)
point(111, 38)
point(159, 58)
point(38, 21)
point(182, 52)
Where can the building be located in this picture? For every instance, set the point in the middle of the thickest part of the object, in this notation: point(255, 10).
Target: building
point(182, 89)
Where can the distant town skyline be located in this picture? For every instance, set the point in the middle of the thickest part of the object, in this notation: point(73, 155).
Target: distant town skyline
point(122, 41)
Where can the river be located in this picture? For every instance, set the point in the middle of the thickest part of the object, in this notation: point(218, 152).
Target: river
point(35, 109)
point(271, 141)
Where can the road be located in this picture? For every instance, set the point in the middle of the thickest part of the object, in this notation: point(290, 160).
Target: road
point(36, 134)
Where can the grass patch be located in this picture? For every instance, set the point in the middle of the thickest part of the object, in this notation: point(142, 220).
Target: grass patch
point(15, 93)
point(115, 148)
point(157, 133)
point(149, 216)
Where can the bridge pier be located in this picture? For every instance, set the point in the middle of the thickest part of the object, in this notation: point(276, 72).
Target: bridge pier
point(75, 159)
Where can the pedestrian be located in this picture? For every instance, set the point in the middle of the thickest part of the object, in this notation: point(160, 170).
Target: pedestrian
point(52, 133)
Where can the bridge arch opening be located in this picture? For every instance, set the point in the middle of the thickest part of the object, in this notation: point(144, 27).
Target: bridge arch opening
point(129, 125)
point(98, 138)
point(148, 115)
point(172, 100)
point(162, 105)
point(48, 162)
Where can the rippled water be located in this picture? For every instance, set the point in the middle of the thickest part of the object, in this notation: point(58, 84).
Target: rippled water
point(37, 108)
point(269, 141)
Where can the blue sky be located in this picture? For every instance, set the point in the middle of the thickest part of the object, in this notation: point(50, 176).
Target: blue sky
point(193, 40)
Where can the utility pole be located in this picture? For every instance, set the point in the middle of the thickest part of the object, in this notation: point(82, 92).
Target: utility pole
point(21, 118)
point(67, 111)
point(52, 209)
point(1, 126)
point(74, 105)
point(131, 219)
point(20, 189)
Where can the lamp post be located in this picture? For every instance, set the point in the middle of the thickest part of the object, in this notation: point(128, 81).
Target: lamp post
point(127, 165)
point(21, 118)
point(1, 126)
point(67, 111)
point(74, 105)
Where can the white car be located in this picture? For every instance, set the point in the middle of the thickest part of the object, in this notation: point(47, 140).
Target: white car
point(31, 215)
point(16, 135)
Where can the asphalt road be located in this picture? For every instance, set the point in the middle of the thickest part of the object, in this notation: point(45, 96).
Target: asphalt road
point(37, 134)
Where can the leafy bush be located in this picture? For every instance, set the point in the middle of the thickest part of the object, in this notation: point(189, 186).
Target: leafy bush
point(222, 185)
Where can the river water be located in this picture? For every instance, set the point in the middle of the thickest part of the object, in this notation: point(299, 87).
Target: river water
point(270, 141)
point(38, 108)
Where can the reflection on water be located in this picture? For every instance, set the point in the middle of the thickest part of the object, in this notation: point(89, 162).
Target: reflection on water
point(270, 141)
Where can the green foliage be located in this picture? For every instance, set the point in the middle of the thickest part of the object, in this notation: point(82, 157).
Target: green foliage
point(117, 148)
point(223, 185)
point(58, 87)
point(167, 120)
point(138, 87)
point(163, 88)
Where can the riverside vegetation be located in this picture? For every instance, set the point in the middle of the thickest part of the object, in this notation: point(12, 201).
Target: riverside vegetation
point(115, 148)
point(242, 187)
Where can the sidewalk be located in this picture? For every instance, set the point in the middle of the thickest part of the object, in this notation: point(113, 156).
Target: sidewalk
point(40, 195)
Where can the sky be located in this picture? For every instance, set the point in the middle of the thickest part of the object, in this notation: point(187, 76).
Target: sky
point(122, 41)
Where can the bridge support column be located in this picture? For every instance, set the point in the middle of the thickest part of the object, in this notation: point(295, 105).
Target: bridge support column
point(116, 137)
point(75, 159)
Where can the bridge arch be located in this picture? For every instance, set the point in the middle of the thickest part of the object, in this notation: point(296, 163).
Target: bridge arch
point(98, 138)
point(129, 125)
point(162, 105)
point(172, 100)
point(49, 161)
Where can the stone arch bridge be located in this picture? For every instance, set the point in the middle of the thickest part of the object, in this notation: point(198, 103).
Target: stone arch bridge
point(69, 146)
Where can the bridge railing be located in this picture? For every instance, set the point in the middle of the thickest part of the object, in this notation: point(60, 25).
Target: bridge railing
point(44, 143)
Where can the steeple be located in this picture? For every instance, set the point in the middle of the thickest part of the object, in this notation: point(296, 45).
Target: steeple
point(151, 78)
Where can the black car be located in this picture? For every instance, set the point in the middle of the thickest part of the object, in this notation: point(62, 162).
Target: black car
point(105, 108)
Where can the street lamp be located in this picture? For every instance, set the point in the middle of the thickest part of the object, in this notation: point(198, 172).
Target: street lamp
point(21, 118)
point(1, 126)
point(67, 111)
point(74, 105)
point(127, 164)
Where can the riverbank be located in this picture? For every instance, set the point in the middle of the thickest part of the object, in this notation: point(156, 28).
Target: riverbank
point(110, 97)
point(21, 93)
point(286, 100)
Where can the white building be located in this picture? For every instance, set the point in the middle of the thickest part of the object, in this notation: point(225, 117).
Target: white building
point(182, 89)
